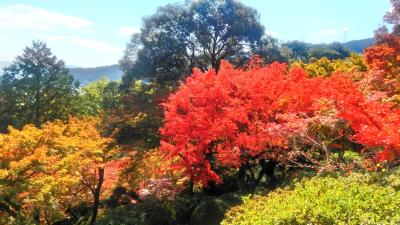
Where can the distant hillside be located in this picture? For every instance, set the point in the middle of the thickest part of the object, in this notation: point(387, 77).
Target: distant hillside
point(86, 75)
point(359, 45)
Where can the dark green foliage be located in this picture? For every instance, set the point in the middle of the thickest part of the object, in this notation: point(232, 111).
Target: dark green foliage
point(152, 211)
point(144, 213)
point(111, 96)
point(195, 208)
point(297, 50)
point(331, 51)
point(139, 117)
point(36, 88)
point(269, 49)
point(122, 216)
point(211, 211)
point(196, 34)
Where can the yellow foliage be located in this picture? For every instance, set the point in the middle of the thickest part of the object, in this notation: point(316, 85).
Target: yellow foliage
point(325, 67)
point(44, 169)
point(152, 165)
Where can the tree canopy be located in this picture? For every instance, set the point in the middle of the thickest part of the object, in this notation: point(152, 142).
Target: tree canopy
point(36, 88)
point(198, 34)
point(45, 171)
point(269, 113)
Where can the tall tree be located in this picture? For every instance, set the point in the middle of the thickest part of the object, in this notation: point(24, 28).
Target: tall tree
point(196, 34)
point(269, 49)
point(36, 88)
point(298, 50)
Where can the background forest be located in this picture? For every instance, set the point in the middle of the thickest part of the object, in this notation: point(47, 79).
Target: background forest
point(213, 122)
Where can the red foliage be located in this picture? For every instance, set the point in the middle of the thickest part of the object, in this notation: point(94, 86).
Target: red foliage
point(112, 172)
point(228, 119)
point(385, 55)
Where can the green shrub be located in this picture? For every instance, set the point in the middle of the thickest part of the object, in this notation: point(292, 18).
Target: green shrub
point(355, 199)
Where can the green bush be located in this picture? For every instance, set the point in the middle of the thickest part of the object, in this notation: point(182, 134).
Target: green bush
point(331, 199)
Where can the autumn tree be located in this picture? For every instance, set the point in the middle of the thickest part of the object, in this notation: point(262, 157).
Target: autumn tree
point(383, 58)
point(36, 88)
point(45, 171)
point(236, 118)
point(385, 55)
point(268, 115)
point(198, 34)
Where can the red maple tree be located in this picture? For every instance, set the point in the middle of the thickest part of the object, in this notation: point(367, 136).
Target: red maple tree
point(385, 55)
point(228, 119)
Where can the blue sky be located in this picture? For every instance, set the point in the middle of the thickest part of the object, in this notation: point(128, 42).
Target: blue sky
point(94, 32)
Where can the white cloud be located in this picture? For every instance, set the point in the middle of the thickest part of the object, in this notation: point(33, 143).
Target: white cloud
point(29, 17)
point(84, 42)
point(127, 31)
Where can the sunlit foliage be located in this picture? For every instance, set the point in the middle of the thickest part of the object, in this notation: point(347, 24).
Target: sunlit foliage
point(45, 171)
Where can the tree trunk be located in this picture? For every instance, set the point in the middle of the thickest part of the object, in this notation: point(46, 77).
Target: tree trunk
point(256, 181)
point(270, 172)
point(191, 186)
point(96, 195)
point(241, 178)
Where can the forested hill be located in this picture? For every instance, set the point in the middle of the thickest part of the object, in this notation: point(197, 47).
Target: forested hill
point(86, 75)
point(359, 45)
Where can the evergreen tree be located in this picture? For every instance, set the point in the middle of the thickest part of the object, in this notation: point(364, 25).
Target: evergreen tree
point(36, 88)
